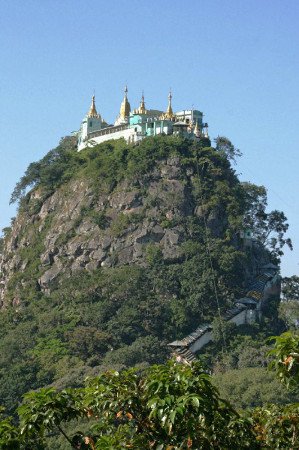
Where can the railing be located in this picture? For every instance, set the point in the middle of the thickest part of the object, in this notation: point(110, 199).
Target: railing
point(109, 130)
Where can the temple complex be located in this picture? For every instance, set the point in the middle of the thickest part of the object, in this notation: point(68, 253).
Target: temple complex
point(134, 125)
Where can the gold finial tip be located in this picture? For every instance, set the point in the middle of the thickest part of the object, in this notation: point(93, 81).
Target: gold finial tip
point(141, 109)
point(169, 113)
point(125, 107)
point(93, 110)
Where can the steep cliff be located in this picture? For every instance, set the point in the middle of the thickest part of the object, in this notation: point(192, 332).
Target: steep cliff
point(85, 225)
point(115, 251)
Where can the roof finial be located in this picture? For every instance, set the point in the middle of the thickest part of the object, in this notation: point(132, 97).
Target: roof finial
point(169, 113)
point(93, 109)
point(125, 107)
point(141, 109)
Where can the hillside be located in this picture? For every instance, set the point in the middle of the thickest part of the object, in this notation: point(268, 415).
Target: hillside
point(114, 253)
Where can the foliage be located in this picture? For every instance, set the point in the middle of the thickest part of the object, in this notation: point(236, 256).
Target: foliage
point(289, 313)
point(171, 406)
point(123, 316)
point(52, 170)
point(251, 387)
point(9, 434)
point(223, 144)
point(45, 410)
point(154, 255)
point(290, 287)
point(268, 228)
point(277, 427)
point(168, 406)
point(222, 330)
point(286, 357)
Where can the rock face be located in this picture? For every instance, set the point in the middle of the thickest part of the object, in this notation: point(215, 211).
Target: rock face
point(80, 228)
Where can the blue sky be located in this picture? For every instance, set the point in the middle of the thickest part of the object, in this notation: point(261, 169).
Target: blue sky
point(235, 60)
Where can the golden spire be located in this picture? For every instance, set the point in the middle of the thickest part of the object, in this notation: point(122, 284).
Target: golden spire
point(141, 109)
point(125, 107)
point(93, 109)
point(169, 113)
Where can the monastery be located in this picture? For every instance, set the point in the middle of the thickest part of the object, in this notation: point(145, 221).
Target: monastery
point(135, 125)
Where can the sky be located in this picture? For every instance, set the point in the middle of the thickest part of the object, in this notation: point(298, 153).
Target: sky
point(235, 60)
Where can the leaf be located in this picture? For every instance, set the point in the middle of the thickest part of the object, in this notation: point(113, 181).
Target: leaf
point(195, 402)
point(172, 416)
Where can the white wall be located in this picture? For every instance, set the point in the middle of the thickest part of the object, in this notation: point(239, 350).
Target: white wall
point(126, 134)
point(239, 319)
point(203, 340)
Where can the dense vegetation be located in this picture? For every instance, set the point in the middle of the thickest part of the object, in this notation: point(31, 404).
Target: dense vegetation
point(172, 406)
point(119, 317)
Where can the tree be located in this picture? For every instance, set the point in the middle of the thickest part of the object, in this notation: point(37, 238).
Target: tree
point(51, 170)
point(286, 357)
point(223, 144)
point(222, 330)
point(289, 313)
point(9, 434)
point(289, 306)
point(268, 228)
point(169, 406)
point(252, 387)
point(290, 287)
point(275, 426)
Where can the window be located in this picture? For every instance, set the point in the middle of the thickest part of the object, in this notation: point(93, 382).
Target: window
point(90, 123)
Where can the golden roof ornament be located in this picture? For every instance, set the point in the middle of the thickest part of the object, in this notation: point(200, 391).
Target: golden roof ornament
point(125, 107)
point(141, 109)
point(169, 112)
point(93, 110)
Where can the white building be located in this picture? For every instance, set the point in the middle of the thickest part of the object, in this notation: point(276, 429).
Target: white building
point(135, 125)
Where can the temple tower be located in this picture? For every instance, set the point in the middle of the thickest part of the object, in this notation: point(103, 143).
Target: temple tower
point(125, 109)
point(91, 122)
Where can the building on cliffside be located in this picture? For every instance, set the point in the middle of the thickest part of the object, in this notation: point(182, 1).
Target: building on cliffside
point(135, 125)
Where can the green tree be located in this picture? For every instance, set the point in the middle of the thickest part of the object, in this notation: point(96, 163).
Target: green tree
point(170, 406)
point(268, 228)
point(223, 144)
point(86, 342)
point(289, 313)
point(290, 287)
point(222, 331)
point(9, 434)
point(252, 387)
point(286, 357)
point(55, 167)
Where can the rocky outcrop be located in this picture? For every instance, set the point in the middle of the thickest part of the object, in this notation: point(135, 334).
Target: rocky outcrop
point(81, 226)
point(77, 228)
